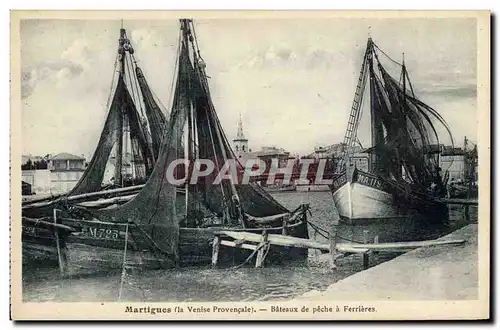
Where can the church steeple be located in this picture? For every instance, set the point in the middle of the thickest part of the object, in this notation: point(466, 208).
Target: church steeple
point(240, 142)
point(240, 135)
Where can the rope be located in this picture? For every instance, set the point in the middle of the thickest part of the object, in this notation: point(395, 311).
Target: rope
point(395, 62)
point(320, 231)
point(260, 246)
point(110, 87)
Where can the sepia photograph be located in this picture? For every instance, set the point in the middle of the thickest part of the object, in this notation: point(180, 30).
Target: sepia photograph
point(250, 165)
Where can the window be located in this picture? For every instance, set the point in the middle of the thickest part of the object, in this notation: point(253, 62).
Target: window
point(237, 149)
point(243, 148)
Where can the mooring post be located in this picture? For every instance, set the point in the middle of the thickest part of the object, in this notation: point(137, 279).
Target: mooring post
point(315, 252)
point(263, 249)
point(285, 224)
point(365, 236)
point(333, 246)
point(124, 264)
point(58, 244)
point(215, 250)
point(466, 213)
point(366, 260)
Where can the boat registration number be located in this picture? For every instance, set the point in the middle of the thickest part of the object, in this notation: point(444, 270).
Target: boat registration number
point(105, 233)
point(30, 230)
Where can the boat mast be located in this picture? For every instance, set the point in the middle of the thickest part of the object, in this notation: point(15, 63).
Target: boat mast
point(354, 117)
point(119, 146)
point(187, 145)
point(377, 131)
point(200, 66)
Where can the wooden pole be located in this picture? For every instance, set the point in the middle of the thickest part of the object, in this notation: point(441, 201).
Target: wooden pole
point(261, 254)
point(466, 213)
point(315, 252)
point(366, 260)
point(333, 246)
point(215, 250)
point(124, 270)
point(365, 236)
point(285, 223)
point(58, 245)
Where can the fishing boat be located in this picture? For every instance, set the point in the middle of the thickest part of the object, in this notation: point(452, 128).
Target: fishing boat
point(130, 139)
point(172, 222)
point(402, 177)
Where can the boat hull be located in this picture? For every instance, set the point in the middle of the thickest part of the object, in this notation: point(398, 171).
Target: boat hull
point(357, 203)
point(364, 198)
point(95, 247)
point(102, 247)
point(39, 244)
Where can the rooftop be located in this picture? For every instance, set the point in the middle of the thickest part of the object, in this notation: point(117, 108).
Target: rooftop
point(66, 156)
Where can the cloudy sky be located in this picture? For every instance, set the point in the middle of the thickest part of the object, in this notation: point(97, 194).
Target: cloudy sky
point(292, 81)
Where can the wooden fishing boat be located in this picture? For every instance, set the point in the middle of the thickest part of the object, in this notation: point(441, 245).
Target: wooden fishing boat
point(135, 125)
point(403, 177)
point(166, 224)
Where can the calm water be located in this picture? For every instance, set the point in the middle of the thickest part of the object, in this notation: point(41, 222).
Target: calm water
point(242, 284)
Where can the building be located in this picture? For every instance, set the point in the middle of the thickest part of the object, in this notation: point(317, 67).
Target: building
point(333, 151)
point(268, 154)
point(240, 143)
point(65, 171)
point(361, 160)
point(52, 174)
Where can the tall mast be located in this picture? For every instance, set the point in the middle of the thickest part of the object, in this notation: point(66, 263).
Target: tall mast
point(200, 69)
point(188, 136)
point(119, 146)
point(377, 132)
point(354, 117)
point(404, 78)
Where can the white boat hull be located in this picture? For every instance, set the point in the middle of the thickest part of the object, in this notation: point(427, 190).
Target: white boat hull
point(359, 203)
point(363, 197)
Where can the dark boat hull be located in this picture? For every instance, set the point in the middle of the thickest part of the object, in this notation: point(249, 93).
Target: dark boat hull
point(365, 198)
point(39, 244)
point(99, 247)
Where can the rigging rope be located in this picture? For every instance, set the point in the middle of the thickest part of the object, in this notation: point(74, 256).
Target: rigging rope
point(321, 232)
point(112, 81)
point(390, 58)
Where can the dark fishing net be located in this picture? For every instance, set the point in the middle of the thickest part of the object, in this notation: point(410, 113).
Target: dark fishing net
point(409, 127)
point(92, 178)
point(213, 145)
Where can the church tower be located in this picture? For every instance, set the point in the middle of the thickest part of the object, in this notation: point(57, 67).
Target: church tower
point(240, 143)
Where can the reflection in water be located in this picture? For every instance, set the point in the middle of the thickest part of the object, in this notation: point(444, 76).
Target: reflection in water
point(242, 284)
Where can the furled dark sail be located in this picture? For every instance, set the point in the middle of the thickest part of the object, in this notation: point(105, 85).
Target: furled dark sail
point(156, 118)
point(214, 145)
point(153, 208)
point(92, 178)
point(124, 115)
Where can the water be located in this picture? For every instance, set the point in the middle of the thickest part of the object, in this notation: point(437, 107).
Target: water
point(242, 284)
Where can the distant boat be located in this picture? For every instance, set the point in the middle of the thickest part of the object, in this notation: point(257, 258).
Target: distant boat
point(280, 188)
point(403, 177)
point(313, 187)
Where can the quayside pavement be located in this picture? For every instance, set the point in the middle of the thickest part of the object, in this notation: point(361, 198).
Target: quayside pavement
point(446, 272)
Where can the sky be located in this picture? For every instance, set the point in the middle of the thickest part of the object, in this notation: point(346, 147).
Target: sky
point(291, 80)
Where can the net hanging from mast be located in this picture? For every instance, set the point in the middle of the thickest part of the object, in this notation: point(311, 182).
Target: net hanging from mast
point(404, 127)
